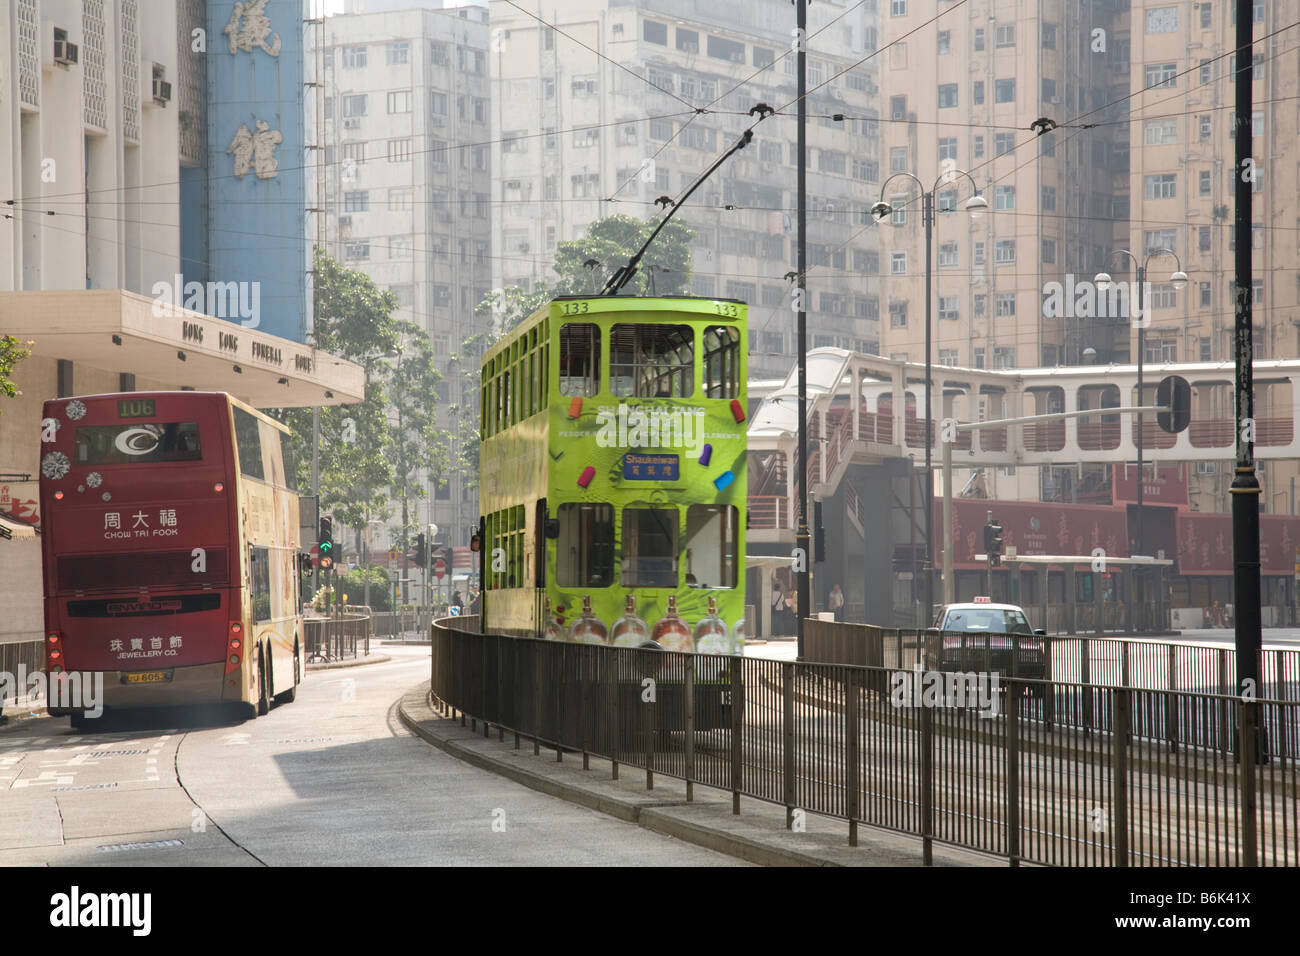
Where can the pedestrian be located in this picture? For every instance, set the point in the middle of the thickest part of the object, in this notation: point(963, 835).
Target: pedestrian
point(474, 601)
point(836, 602)
point(458, 602)
point(778, 609)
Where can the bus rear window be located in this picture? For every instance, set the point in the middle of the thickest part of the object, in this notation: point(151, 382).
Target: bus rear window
point(149, 442)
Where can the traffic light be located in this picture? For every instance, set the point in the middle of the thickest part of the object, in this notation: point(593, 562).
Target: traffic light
point(421, 551)
point(993, 542)
point(304, 563)
point(1175, 394)
point(325, 545)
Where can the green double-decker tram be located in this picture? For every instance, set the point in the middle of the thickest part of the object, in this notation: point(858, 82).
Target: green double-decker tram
point(613, 474)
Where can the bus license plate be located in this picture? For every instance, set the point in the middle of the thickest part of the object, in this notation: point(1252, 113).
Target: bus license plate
point(147, 677)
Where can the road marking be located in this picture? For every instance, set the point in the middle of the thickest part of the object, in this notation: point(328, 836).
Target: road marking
point(47, 777)
point(151, 845)
point(233, 740)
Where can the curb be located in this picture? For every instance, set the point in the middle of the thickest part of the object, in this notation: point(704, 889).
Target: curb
point(359, 662)
point(651, 810)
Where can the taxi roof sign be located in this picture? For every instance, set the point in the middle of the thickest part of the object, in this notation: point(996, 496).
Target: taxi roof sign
point(984, 599)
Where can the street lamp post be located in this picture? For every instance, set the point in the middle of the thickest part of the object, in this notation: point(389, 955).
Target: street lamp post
point(1178, 280)
point(975, 205)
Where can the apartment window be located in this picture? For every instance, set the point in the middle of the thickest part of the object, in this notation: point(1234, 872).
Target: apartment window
point(399, 150)
point(977, 256)
point(979, 301)
point(586, 137)
point(866, 170)
point(688, 41)
point(1049, 90)
point(898, 107)
point(354, 57)
point(977, 147)
point(1049, 36)
point(357, 201)
point(1204, 178)
point(1160, 132)
point(1257, 9)
point(1160, 239)
point(1004, 197)
point(356, 250)
point(399, 247)
point(1161, 76)
point(1162, 20)
point(1004, 91)
point(1204, 73)
point(1006, 34)
point(1004, 252)
point(1005, 303)
point(867, 307)
point(661, 129)
point(1049, 252)
point(399, 101)
point(947, 95)
point(898, 263)
point(899, 216)
point(898, 8)
point(399, 200)
point(480, 110)
point(1161, 350)
point(1003, 143)
point(437, 103)
point(763, 57)
point(1205, 295)
point(947, 255)
point(947, 147)
point(438, 54)
point(723, 49)
point(1205, 16)
point(947, 357)
point(897, 314)
point(865, 262)
point(947, 200)
point(399, 53)
point(979, 39)
point(1162, 296)
point(948, 309)
point(354, 105)
point(1049, 199)
point(653, 32)
point(354, 153)
point(979, 363)
point(977, 93)
point(1205, 349)
point(1161, 186)
point(1004, 357)
point(586, 86)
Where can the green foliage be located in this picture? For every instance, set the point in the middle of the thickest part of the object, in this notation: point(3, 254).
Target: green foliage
point(353, 315)
point(353, 584)
point(11, 353)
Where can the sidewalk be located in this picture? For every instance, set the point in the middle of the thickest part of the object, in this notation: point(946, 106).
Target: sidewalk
point(757, 835)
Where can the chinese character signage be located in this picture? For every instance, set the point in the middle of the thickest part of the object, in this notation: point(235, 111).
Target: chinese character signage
point(256, 175)
point(638, 467)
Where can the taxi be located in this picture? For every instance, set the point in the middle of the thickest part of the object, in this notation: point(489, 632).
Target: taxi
point(984, 636)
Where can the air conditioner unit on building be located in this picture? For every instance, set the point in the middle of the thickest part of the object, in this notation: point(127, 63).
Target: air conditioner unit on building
point(352, 122)
point(162, 90)
point(65, 53)
point(345, 222)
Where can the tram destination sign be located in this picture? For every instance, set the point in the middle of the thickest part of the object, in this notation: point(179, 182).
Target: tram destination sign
point(639, 467)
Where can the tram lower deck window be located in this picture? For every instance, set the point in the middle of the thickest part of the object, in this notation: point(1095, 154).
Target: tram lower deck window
point(711, 546)
point(585, 547)
point(649, 548)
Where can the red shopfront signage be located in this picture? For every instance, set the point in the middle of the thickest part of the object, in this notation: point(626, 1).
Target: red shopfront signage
point(1167, 487)
point(1205, 544)
point(1032, 528)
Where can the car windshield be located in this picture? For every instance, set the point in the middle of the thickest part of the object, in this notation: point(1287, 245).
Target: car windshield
point(990, 620)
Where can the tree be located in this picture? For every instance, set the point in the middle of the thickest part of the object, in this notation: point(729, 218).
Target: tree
point(415, 442)
point(11, 353)
point(584, 264)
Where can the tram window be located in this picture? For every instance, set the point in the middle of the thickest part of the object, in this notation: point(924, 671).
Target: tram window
point(579, 359)
point(649, 548)
point(585, 548)
point(721, 361)
point(711, 546)
point(652, 361)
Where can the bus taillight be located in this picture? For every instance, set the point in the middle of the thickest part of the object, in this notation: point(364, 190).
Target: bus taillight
point(236, 632)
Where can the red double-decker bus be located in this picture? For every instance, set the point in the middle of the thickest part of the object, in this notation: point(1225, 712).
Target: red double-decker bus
point(170, 550)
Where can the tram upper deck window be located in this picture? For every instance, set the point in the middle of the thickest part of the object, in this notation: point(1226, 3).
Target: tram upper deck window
point(579, 359)
point(721, 361)
point(652, 361)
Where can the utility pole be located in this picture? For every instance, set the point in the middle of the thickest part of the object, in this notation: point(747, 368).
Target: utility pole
point(1245, 486)
point(801, 537)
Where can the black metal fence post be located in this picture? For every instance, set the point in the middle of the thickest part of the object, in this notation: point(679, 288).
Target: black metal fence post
point(787, 742)
point(1119, 722)
point(1013, 772)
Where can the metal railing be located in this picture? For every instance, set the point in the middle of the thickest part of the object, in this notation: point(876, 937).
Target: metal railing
point(337, 638)
point(986, 772)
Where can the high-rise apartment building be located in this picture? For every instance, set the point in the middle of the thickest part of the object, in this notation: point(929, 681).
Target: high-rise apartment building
point(594, 113)
point(1182, 186)
point(408, 193)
